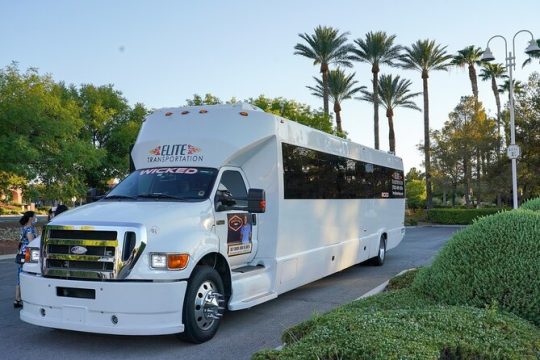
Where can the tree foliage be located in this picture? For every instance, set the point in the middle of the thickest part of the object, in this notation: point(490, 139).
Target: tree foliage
point(63, 139)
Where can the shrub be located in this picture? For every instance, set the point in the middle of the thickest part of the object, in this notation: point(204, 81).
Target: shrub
point(414, 216)
point(533, 204)
point(495, 260)
point(431, 332)
point(401, 299)
point(458, 216)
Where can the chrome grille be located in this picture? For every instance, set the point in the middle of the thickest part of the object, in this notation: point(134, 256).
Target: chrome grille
point(73, 253)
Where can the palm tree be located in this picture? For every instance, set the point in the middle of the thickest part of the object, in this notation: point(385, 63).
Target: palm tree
point(394, 93)
point(469, 56)
point(493, 72)
point(326, 46)
point(518, 87)
point(340, 87)
point(426, 56)
point(535, 55)
point(377, 48)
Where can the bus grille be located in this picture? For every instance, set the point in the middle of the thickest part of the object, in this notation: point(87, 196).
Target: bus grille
point(82, 254)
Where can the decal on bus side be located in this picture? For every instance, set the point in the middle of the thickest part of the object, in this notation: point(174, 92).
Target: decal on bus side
point(239, 234)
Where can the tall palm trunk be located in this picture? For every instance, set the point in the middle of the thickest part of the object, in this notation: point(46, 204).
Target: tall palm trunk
point(391, 134)
point(427, 149)
point(498, 102)
point(337, 110)
point(478, 176)
point(324, 71)
point(474, 81)
point(466, 172)
point(375, 71)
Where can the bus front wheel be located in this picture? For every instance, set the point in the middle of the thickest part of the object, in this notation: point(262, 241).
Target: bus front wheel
point(203, 305)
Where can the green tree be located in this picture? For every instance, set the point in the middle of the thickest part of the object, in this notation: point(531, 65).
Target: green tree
point(340, 87)
point(416, 193)
point(414, 174)
point(208, 99)
point(467, 131)
point(39, 128)
point(527, 110)
point(492, 72)
point(295, 111)
point(326, 46)
point(110, 127)
point(376, 49)
point(518, 88)
point(394, 93)
point(425, 56)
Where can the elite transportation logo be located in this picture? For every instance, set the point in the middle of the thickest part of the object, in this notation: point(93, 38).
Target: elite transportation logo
point(175, 153)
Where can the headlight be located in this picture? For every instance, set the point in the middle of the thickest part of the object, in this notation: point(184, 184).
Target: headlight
point(31, 255)
point(169, 261)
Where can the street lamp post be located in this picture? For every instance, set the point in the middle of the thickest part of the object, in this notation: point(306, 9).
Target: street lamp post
point(513, 150)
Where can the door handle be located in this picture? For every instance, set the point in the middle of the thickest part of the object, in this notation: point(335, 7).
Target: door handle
point(220, 222)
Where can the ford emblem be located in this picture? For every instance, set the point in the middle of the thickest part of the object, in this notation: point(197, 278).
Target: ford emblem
point(79, 250)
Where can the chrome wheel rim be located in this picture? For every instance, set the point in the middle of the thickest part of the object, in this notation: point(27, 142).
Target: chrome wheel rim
point(208, 307)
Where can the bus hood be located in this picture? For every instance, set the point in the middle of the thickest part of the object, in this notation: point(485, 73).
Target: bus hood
point(157, 215)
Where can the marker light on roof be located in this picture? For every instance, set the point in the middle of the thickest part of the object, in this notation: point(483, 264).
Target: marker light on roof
point(203, 111)
point(185, 112)
point(243, 113)
point(168, 113)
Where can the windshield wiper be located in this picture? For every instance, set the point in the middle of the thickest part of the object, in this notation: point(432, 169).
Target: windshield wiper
point(120, 197)
point(159, 196)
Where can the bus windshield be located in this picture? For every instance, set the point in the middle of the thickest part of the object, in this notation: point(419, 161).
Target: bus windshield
point(167, 183)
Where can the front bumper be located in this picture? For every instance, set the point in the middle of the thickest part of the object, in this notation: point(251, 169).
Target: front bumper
point(140, 308)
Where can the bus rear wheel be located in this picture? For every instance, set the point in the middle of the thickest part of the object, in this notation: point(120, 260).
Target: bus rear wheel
point(381, 254)
point(203, 305)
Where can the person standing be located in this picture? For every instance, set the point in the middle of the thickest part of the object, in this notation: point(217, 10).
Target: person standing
point(28, 233)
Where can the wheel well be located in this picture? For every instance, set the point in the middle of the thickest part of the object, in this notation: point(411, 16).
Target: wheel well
point(218, 262)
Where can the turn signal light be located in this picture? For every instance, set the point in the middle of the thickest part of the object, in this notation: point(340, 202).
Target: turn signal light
point(177, 261)
point(27, 255)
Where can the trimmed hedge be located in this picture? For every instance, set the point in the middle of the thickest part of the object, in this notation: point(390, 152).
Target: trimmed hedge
point(533, 204)
point(458, 216)
point(375, 329)
point(400, 299)
point(493, 261)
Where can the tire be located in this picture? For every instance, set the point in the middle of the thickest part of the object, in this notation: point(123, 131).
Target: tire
point(203, 305)
point(381, 254)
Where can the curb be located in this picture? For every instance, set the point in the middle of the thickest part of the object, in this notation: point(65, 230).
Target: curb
point(9, 256)
point(435, 226)
point(382, 286)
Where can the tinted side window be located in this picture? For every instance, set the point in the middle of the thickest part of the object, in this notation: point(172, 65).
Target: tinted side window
point(233, 183)
point(311, 174)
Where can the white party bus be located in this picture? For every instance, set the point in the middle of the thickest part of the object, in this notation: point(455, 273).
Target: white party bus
point(227, 207)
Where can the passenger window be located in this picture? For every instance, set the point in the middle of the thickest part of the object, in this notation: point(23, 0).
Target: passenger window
point(232, 185)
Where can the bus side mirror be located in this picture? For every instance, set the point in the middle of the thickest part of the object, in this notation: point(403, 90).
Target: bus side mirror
point(256, 201)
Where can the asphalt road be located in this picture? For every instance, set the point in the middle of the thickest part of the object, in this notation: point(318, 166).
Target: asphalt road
point(242, 332)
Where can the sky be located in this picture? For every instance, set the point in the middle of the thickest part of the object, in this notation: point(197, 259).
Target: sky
point(160, 53)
